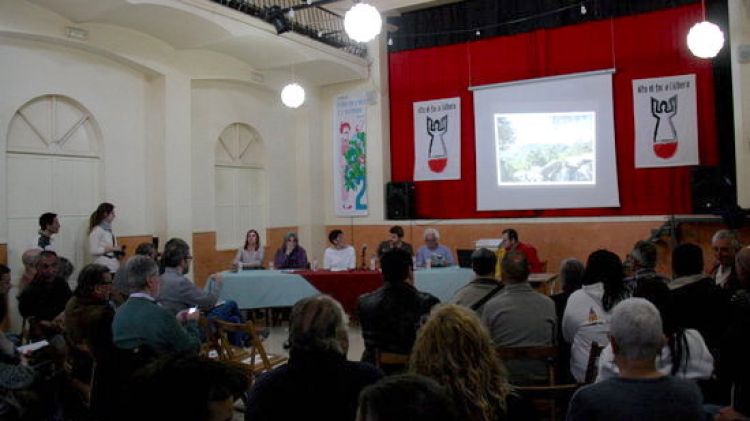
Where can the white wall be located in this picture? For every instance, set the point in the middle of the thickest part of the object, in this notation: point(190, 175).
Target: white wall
point(739, 33)
point(114, 94)
point(217, 104)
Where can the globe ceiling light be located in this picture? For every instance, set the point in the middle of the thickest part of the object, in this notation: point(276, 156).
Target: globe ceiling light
point(705, 39)
point(362, 22)
point(293, 95)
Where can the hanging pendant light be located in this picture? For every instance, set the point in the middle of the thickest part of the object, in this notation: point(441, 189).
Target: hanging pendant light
point(293, 95)
point(705, 39)
point(362, 22)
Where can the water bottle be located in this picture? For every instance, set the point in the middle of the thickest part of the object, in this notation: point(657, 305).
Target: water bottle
point(270, 265)
point(373, 263)
point(314, 265)
point(428, 263)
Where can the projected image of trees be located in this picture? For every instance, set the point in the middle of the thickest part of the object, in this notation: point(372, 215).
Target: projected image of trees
point(545, 148)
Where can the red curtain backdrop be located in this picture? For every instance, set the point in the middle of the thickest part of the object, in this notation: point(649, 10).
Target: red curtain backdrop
point(640, 46)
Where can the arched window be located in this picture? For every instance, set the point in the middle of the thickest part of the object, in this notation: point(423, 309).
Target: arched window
point(240, 185)
point(53, 165)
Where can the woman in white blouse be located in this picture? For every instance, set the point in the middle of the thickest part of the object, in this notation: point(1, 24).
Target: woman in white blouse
point(102, 242)
point(339, 256)
point(250, 256)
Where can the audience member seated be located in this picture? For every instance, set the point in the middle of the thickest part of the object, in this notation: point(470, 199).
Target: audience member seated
point(391, 314)
point(88, 331)
point(102, 242)
point(454, 341)
point(45, 298)
point(699, 303)
point(684, 354)
point(725, 245)
point(29, 258)
point(511, 243)
point(484, 286)
point(406, 397)
point(49, 225)
point(586, 317)
point(570, 279)
point(120, 288)
point(641, 392)
point(184, 388)
point(734, 366)
point(141, 322)
point(519, 317)
point(395, 241)
point(341, 256)
point(17, 400)
point(290, 255)
point(317, 383)
point(178, 294)
point(4, 288)
point(641, 262)
point(250, 256)
point(432, 253)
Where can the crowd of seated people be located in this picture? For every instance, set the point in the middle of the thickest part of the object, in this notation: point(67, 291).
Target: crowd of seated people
point(684, 336)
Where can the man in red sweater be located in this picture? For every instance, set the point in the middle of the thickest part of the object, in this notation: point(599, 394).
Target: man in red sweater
point(511, 243)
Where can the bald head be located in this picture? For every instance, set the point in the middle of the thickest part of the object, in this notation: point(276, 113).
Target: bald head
point(742, 266)
point(515, 268)
point(30, 258)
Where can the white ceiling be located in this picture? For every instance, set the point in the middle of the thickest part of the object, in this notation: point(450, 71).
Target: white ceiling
point(203, 24)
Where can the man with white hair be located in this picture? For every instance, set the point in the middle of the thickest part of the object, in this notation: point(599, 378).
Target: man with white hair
point(432, 253)
point(640, 392)
point(725, 245)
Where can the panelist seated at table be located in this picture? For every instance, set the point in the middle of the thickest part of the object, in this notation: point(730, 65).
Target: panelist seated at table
point(433, 253)
point(511, 243)
point(395, 241)
point(290, 255)
point(250, 256)
point(339, 256)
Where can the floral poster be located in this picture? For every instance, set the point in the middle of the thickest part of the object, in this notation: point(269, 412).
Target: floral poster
point(350, 155)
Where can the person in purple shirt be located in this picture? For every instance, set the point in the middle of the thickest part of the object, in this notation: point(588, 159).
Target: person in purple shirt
point(438, 255)
point(290, 255)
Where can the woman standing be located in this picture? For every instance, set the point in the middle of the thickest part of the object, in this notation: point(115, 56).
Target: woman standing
point(102, 242)
point(251, 254)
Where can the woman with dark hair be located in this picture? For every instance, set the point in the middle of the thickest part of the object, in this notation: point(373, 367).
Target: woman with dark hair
point(684, 355)
point(290, 255)
point(587, 314)
point(570, 278)
point(250, 256)
point(102, 242)
point(455, 349)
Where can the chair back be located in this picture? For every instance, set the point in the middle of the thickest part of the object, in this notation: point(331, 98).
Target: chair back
point(546, 354)
point(391, 362)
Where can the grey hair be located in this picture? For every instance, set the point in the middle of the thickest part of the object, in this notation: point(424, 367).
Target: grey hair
point(645, 254)
point(31, 257)
point(138, 271)
point(636, 328)
point(432, 231)
point(730, 235)
point(318, 324)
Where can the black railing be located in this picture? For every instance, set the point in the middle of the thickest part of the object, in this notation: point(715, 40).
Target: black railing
point(311, 20)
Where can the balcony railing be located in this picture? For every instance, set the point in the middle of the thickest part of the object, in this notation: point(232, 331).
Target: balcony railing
point(312, 20)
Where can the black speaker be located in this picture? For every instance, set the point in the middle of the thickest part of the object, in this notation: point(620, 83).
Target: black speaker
point(712, 190)
point(399, 200)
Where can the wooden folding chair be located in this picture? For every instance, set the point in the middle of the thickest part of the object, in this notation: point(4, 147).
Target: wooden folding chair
point(543, 397)
point(229, 352)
